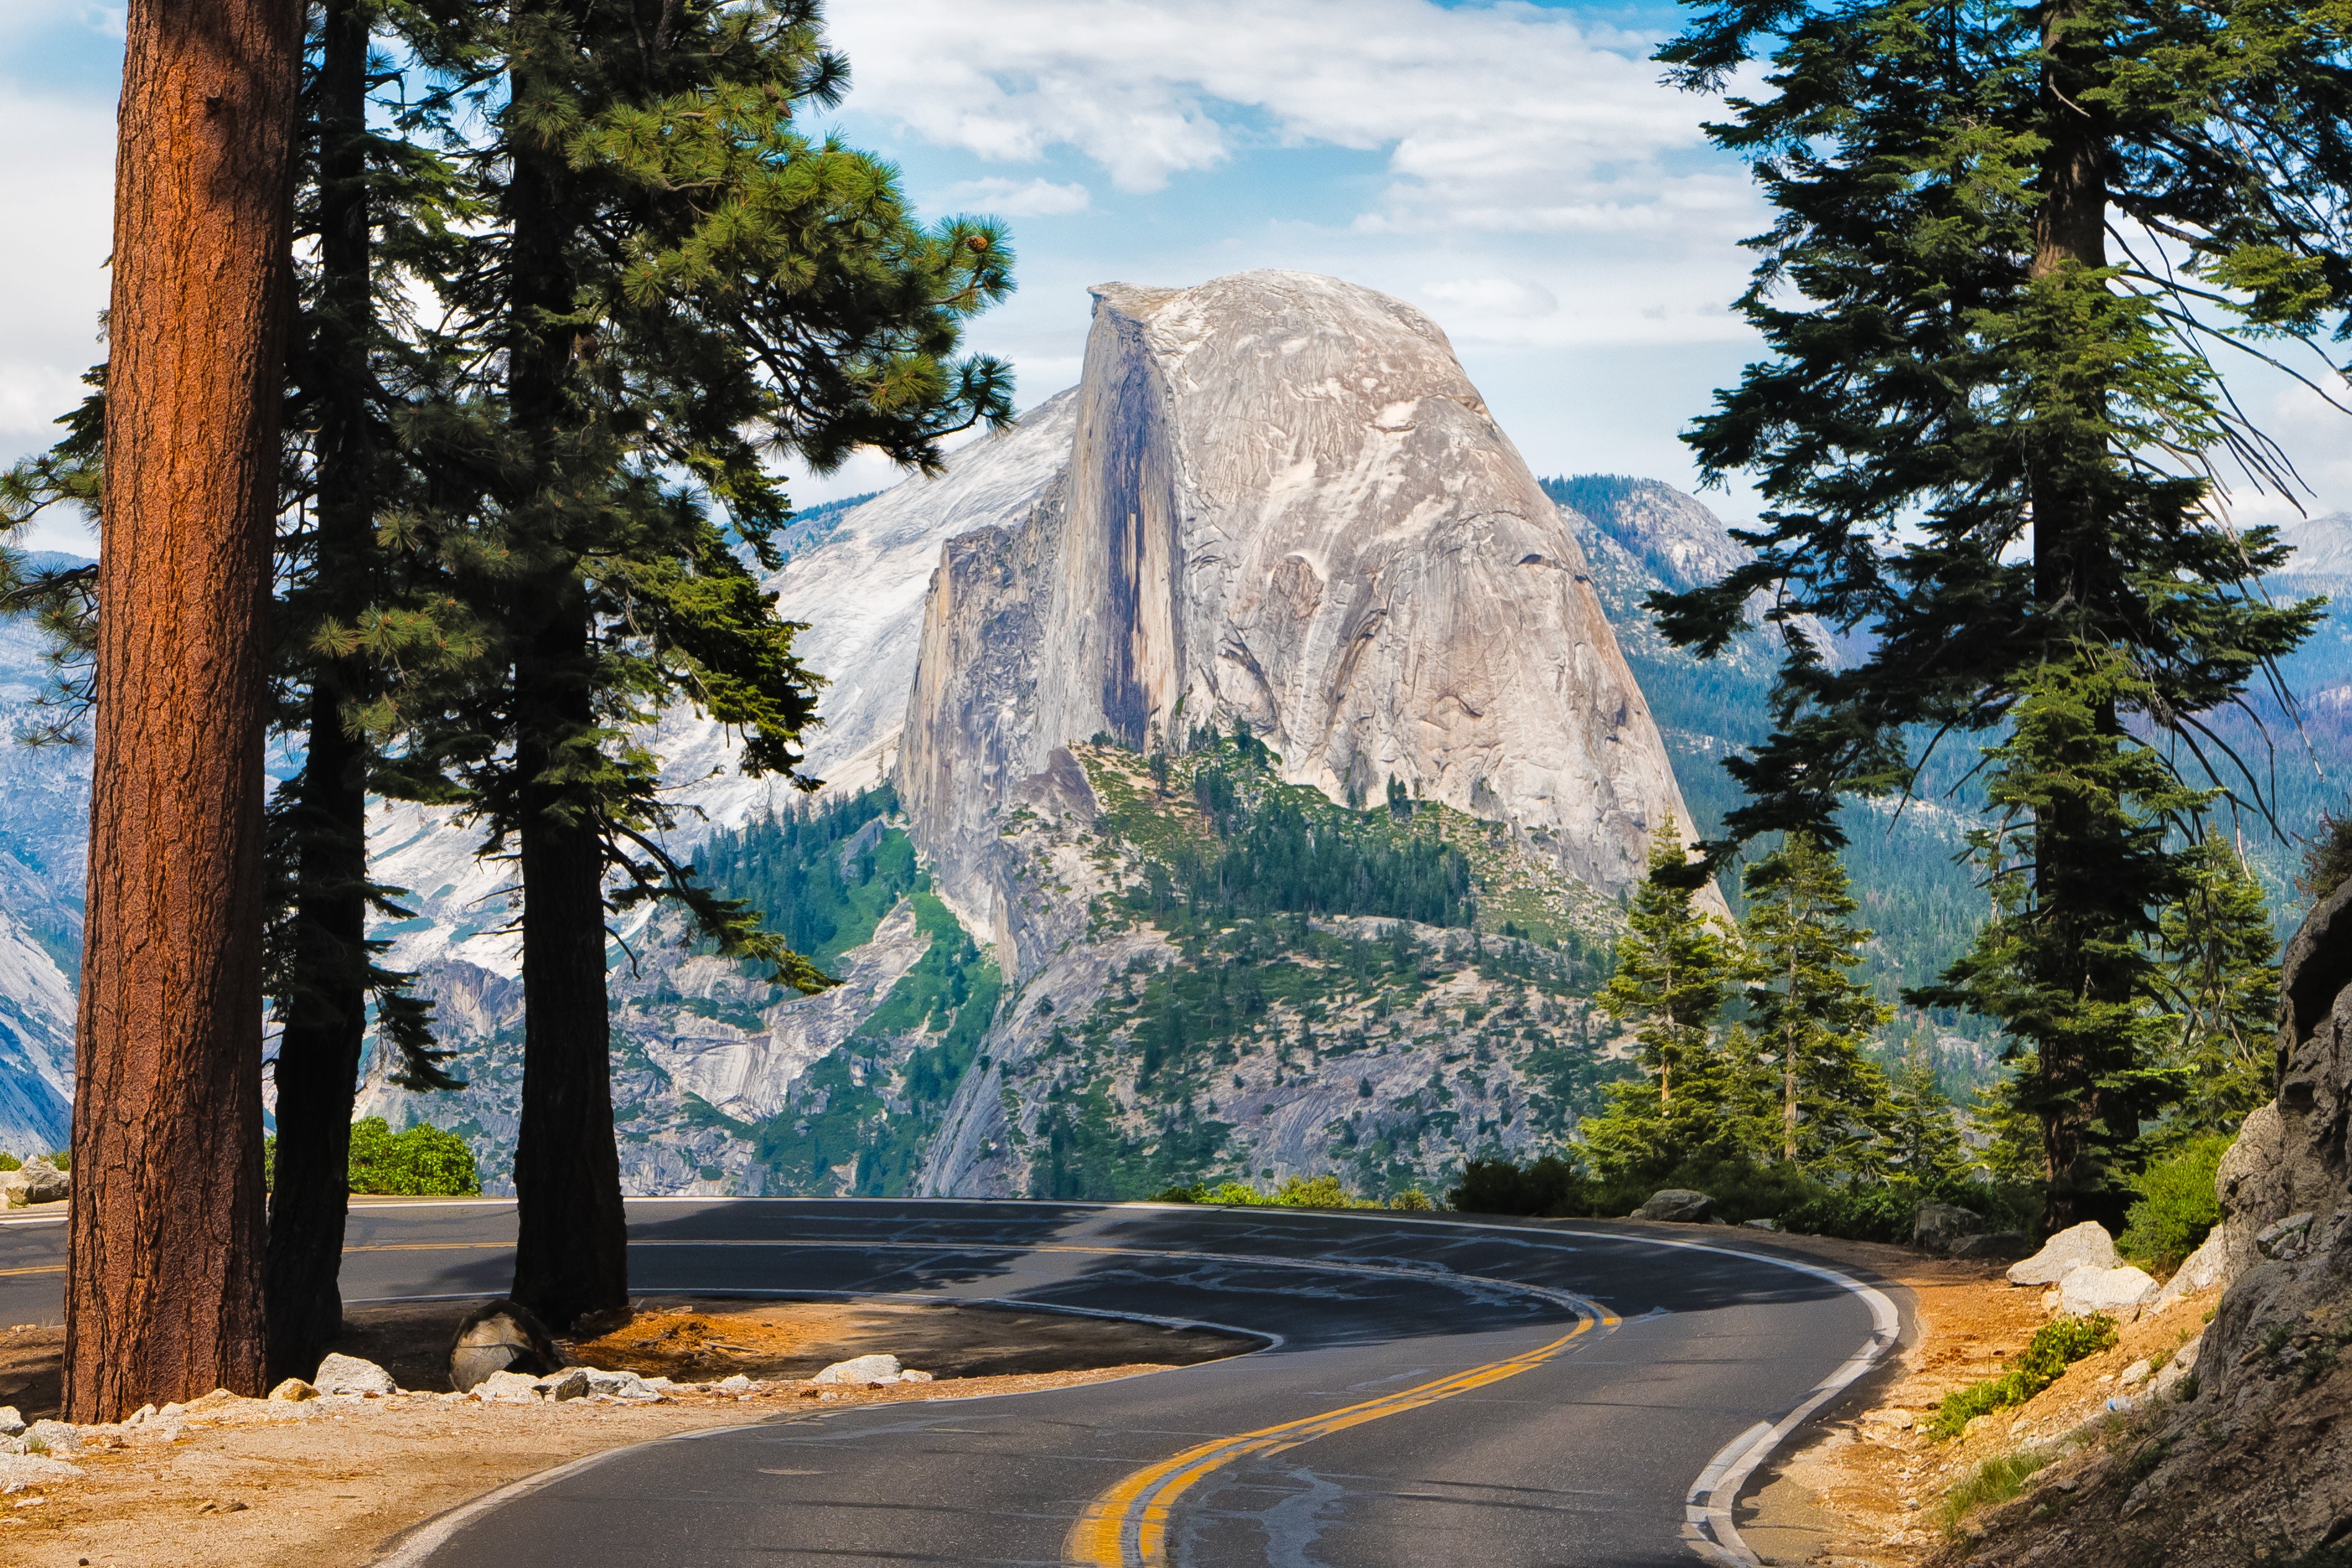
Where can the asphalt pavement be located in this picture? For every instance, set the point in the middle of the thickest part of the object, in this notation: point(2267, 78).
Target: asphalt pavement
point(1433, 1393)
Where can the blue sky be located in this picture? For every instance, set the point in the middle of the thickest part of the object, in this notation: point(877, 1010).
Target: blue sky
point(1514, 169)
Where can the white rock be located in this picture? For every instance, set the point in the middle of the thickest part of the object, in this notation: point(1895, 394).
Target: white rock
point(18, 1471)
point(2120, 1292)
point(53, 1436)
point(350, 1374)
point(2183, 1363)
point(2087, 1245)
point(1896, 1420)
point(2134, 1373)
point(10, 1422)
point(738, 1383)
point(620, 1385)
point(508, 1388)
point(911, 1375)
point(860, 1370)
point(293, 1391)
point(2200, 1270)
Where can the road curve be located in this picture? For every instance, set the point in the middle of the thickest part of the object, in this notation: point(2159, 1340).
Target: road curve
point(1433, 1393)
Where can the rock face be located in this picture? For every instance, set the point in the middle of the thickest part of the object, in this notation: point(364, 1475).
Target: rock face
point(1284, 505)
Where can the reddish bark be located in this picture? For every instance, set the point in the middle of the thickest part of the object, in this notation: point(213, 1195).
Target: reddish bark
point(164, 1276)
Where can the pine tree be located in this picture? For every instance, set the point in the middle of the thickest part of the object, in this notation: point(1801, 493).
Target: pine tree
point(164, 1253)
point(1921, 1137)
point(673, 286)
point(1800, 951)
point(2221, 970)
point(1959, 354)
point(1673, 968)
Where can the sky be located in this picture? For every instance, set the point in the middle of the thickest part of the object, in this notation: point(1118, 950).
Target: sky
point(1515, 170)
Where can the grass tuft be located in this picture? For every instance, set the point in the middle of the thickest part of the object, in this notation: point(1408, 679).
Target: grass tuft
point(1995, 1481)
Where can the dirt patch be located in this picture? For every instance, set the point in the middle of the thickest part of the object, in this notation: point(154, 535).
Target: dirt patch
point(1867, 1490)
point(252, 1482)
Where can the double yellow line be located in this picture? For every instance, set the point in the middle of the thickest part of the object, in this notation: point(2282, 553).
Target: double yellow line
point(1127, 1526)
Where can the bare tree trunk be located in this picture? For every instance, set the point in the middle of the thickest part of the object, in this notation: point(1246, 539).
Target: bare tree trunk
point(326, 1018)
point(164, 1270)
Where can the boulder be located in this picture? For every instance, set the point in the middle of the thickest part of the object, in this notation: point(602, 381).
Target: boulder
point(38, 1182)
point(293, 1391)
point(738, 1383)
point(500, 1336)
point(2083, 1245)
point(11, 1424)
point(2118, 1292)
point(1676, 1206)
point(2200, 1270)
point(1938, 1227)
point(862, 1369)
point(18, 1471)
point(350, 1374)
point(1992, 1247)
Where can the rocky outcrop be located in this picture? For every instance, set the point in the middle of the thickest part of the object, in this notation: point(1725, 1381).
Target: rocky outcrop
point(1284, 504)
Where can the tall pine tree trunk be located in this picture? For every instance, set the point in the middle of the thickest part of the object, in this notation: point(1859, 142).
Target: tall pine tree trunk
point(572, 1252)
point(165, 1256)
point(2069, 564)
point(326, 1008)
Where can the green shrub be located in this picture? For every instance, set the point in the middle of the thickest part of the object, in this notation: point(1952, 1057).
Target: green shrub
point(61, 1158)
point(2055, 1346)
point(1551, 1185)
point(10, 1162)
point(1413, 1200)
point(1195, 1193)
point(1997, 1479)
point(421, 1162)
point(2177, 1205)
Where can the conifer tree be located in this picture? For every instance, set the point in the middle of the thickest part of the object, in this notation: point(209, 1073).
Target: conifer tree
point(1800, 948)
point(1673, 968)
point(2010, 242)
point(1921, 1136)
point(2221, 970)
point(673, 286)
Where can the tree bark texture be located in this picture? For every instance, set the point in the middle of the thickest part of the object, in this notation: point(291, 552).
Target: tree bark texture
point(163, 1273)
point(572, 1246)
point(325, 1020)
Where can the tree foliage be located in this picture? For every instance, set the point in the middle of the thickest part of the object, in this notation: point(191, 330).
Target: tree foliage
point(2008, 243)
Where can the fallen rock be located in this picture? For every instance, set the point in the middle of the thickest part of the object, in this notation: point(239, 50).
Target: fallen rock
point(293, 1391)
point(911, 1375)
point(2200, 1270)
point(18, 1471)
point(506, 1388)
point(1939, 1227)
point(2118, 1292)
point(2134, 1373)
point(1676, 1206)
point(1993, 1246)
point(11, 1424)
point(861, 1369)
point(501, 1336)
point(350, 1374)
point(2083, 1245)
point(1762, 1224)
point(2183, 1363)
point(1893, 1420)
point(738, 1383)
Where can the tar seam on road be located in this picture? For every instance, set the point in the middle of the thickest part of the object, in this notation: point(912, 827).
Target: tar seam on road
point(1126, 1525)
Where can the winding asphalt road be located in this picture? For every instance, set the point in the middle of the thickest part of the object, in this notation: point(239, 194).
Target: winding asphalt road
point(1433, 1394)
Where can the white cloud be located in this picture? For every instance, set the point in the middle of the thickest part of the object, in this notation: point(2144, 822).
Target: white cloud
point(1015, 198)
point(1506, 117)
point(1514, 299)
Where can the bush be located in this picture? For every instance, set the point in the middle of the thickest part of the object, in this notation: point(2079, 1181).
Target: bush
point(62, 1159)
point(2055, 1346)
point(2176, 1204)
point(423, 1161)
point(1549, 1187)
point(10, 1162)
point(1413, 1200)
